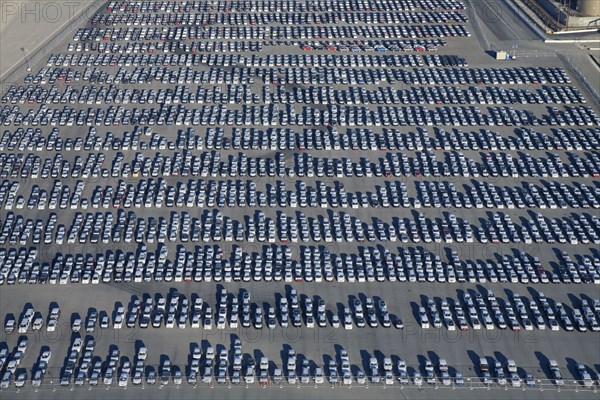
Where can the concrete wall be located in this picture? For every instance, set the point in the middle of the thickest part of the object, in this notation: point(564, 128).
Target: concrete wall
point(589, 8)
point(584, 22)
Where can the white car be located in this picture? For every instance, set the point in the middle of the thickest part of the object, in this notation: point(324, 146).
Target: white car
point(45, 356)
point(335, 321)
point(76, 326)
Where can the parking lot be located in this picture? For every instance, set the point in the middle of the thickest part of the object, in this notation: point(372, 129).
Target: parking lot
point(316, 196)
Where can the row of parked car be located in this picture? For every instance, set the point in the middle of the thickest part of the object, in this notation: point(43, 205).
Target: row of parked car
point(192, 22)
point(574, 229)
point(486, 311)
point(60, 64)
point(481, 194)
point(387, 95)
point(233, 367)
point(229, 311)
point(473, 311)
point(34, 140)
point(304, 164)
point(252, 94)
point(170, 47)
point(297, 31)
point(316, 139)
point(282, 6)
point(82, 367)
point(273, 115)
point(395, 194)
point(10, 363)
point(207, 263)
point(212, 225)
point(331, 69)
point(406, 45)
point(413, 29)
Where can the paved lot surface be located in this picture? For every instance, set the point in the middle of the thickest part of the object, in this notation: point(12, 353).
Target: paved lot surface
point(493, 26)
point(50, 19)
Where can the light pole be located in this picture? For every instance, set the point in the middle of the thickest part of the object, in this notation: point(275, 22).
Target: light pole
point(24, 50)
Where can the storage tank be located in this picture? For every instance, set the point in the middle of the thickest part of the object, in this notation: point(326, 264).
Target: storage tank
point(589, 8)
